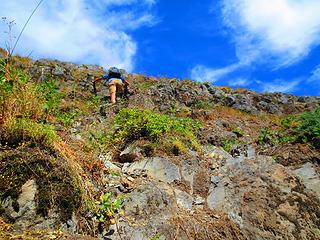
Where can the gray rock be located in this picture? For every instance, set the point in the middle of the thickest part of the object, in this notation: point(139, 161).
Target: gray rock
point(107, 161)
point(148, 210)
point(216, 199)
point(310, 177)
point(230, 101)
point(188, 171)
point(27, 206)
point(156, 167)
point(199, 200)
point(184, 200)
point(58, 70)
point(131, 154)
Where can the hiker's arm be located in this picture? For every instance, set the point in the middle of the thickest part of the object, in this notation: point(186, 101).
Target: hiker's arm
point(124, 80)
point(97, 79)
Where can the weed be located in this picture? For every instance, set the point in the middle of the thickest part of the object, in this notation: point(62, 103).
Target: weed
point(308, 129)
point(156, 237)
point(53, 97)
point(203, 105)
point(289, 121)
point(106, 209)
point(266, 137)
point(227, 144)
point(25, 129)
point(133, 124)
point(94, 101)
point(67, 118)
point(238, 131)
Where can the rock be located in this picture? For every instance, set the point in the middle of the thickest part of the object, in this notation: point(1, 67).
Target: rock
point(219, 155)
point(131, 154)
point(26, 213)
point(310, 177)
point(199, 200)
point(230, 101)
point(184, 200)
point(216, 198)
point(188, 172)
point(112, 167)
point(106, 159)
point(156, 167)
point(58, 70)
point(147, 211)
point(258, 192)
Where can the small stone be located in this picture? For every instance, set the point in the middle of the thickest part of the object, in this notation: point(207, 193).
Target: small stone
point(199, 200)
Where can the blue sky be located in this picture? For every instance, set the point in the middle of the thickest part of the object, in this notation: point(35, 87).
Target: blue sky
point(264, 45)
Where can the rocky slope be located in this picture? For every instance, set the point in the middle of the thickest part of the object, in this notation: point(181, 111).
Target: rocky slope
point(230, 188)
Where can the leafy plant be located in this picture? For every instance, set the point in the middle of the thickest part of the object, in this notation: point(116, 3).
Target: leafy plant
point(156, 237)
point(238, 131)
point(67, 118)
point(308, 129)
point(107, 208)
point(27, 129)
point(289, 122)
point(132, 124)
point(227, 144)
point(50, 91)
point(266, 137)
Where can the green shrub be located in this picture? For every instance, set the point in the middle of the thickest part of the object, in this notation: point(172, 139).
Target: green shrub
point(132, 124)
point(50, 91)
point(105, 209)
point(266, 137)
point(27, 129)
point(238, 131)
point(308, 129)
point(227, 144)
point(289, 122)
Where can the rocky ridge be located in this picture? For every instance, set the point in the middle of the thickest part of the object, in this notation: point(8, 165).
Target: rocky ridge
point(247, 193)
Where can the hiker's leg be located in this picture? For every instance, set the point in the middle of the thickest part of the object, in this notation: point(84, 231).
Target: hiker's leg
point(119, 91)
point(112, 91)
point(113, 97)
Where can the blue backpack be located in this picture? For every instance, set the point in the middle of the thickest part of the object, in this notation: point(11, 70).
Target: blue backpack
point(114, 73)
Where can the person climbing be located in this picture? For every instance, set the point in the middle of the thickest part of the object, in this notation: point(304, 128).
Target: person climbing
point(116, 82)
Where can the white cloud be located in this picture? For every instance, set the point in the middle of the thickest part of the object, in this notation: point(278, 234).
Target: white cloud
point(202, 73)
point(80, 30)
point(239, 82)
point(315, 75)
point(278, 31)
point(280, 85)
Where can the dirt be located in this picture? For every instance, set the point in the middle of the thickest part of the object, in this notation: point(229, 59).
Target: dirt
point(294, 154)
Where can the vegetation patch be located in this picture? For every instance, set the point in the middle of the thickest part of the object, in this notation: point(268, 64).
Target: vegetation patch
point(132, 124)
point(58, 187)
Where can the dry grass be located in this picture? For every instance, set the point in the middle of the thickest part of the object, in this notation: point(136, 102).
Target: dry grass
point(205, 225)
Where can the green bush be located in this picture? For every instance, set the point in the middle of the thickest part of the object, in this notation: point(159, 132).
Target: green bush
point(50, 91)
point(105, 209)
point(227, 144)
point(289, 122)
point(308, 129)
point(266, 136)
point(132, 124)
point(27, 129)
point(238, 131)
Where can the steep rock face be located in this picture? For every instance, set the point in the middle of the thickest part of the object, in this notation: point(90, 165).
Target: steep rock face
point(267, 199)
point(209, 194)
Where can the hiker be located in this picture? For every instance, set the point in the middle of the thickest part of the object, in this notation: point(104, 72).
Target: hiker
point(116, 82)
